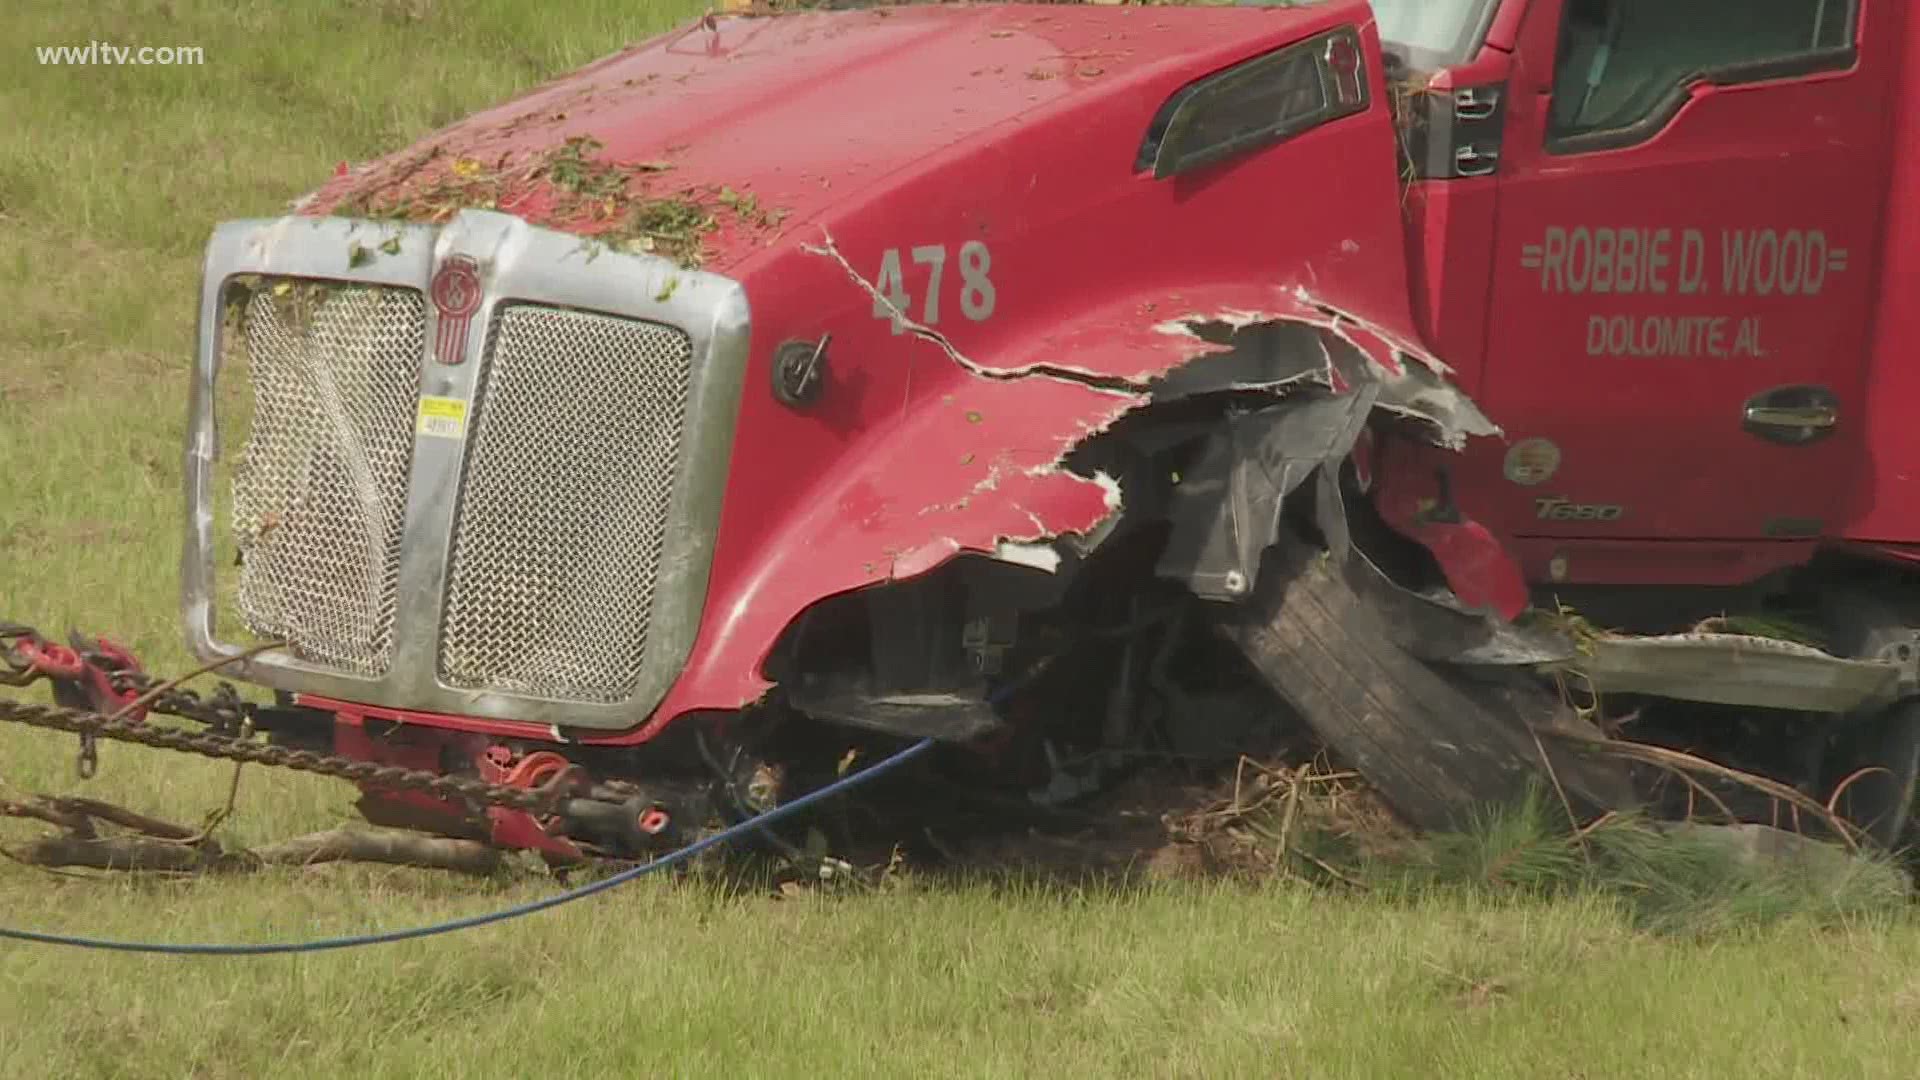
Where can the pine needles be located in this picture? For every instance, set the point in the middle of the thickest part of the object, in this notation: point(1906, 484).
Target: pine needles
point(1668, 877)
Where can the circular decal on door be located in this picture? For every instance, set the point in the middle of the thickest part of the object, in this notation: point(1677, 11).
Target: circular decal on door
point(1532, 461)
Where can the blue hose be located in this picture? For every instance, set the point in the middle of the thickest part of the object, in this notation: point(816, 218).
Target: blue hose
point(323, 944)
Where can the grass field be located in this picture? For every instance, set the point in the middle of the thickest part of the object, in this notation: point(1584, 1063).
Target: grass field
point(110, 178)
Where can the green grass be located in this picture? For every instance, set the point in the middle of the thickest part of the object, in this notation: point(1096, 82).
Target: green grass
point(111, 178)
point(1195, 981)
point(1687, 879)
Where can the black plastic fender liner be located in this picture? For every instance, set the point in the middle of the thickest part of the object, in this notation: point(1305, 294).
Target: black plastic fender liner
point(1228, 507)
point(1436, 742)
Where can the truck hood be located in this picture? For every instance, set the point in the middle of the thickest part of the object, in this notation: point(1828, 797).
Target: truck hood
point(706, 143)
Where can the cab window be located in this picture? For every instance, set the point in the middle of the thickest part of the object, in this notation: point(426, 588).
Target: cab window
point(1626, 66)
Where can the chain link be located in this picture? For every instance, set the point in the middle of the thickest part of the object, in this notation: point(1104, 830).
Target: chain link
point(214, 744)
point(224, 710)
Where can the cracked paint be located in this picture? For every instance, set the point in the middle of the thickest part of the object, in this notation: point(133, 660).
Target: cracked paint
point(1009, 483)
point(1000, 490)
point(1421, 389)
point(1232, 347)
point(828, 249)
point(1037, 556)
point(1413, 382)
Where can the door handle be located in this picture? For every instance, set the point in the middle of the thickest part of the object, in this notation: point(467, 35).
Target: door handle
point(1475, 102)
point(1792, 415)
point(1473, 161)
point(1809, 416)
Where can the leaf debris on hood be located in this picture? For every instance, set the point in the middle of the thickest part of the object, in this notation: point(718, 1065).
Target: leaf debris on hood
point(569, 187)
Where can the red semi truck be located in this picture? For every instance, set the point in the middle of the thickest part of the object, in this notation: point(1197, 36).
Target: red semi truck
point(1063, 381)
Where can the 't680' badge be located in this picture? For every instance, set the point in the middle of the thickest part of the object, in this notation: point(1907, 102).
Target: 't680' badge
point(1554, 508)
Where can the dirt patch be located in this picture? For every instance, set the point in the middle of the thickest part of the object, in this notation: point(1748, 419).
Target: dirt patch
point(1248, 818)
point(1137, 830)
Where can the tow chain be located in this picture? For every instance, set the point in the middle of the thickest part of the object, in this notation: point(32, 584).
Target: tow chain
point(226, 748)
point(228, 737)
point(224, 710)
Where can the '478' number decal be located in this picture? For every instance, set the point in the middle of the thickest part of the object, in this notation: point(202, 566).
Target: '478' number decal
point(976, 284)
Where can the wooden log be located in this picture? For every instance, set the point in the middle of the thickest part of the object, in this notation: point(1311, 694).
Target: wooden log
point(117, 853)
point(382, 846)
point(161, 846)
point(140, 853)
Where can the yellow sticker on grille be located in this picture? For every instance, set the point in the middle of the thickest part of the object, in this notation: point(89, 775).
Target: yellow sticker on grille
point(443, 417)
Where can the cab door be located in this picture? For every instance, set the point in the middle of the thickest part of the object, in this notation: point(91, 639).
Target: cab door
point(1685, 242)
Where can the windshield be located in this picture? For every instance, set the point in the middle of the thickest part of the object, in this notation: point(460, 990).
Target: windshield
point(1431, 33)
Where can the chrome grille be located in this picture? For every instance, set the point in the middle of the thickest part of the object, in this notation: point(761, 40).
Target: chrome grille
point(320, 487)
point(564, 504)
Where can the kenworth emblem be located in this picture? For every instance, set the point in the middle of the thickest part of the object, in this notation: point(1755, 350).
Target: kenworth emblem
point(456, 296)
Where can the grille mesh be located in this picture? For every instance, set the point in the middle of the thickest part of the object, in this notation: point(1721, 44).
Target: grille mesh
point(564, 505)
point(319, 490)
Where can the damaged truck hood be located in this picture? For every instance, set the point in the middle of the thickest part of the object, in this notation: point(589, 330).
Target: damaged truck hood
point(763, 123)
point(944, 205)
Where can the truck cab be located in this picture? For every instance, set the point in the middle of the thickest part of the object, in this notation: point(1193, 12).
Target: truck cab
point(1649, 236)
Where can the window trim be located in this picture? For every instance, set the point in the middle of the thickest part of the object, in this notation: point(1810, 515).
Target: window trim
point(1164, 151)
point(1839, 58)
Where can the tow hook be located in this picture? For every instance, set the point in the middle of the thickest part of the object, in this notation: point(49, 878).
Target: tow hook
point(540, 770)
point(84, 676)
point(27, 657)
